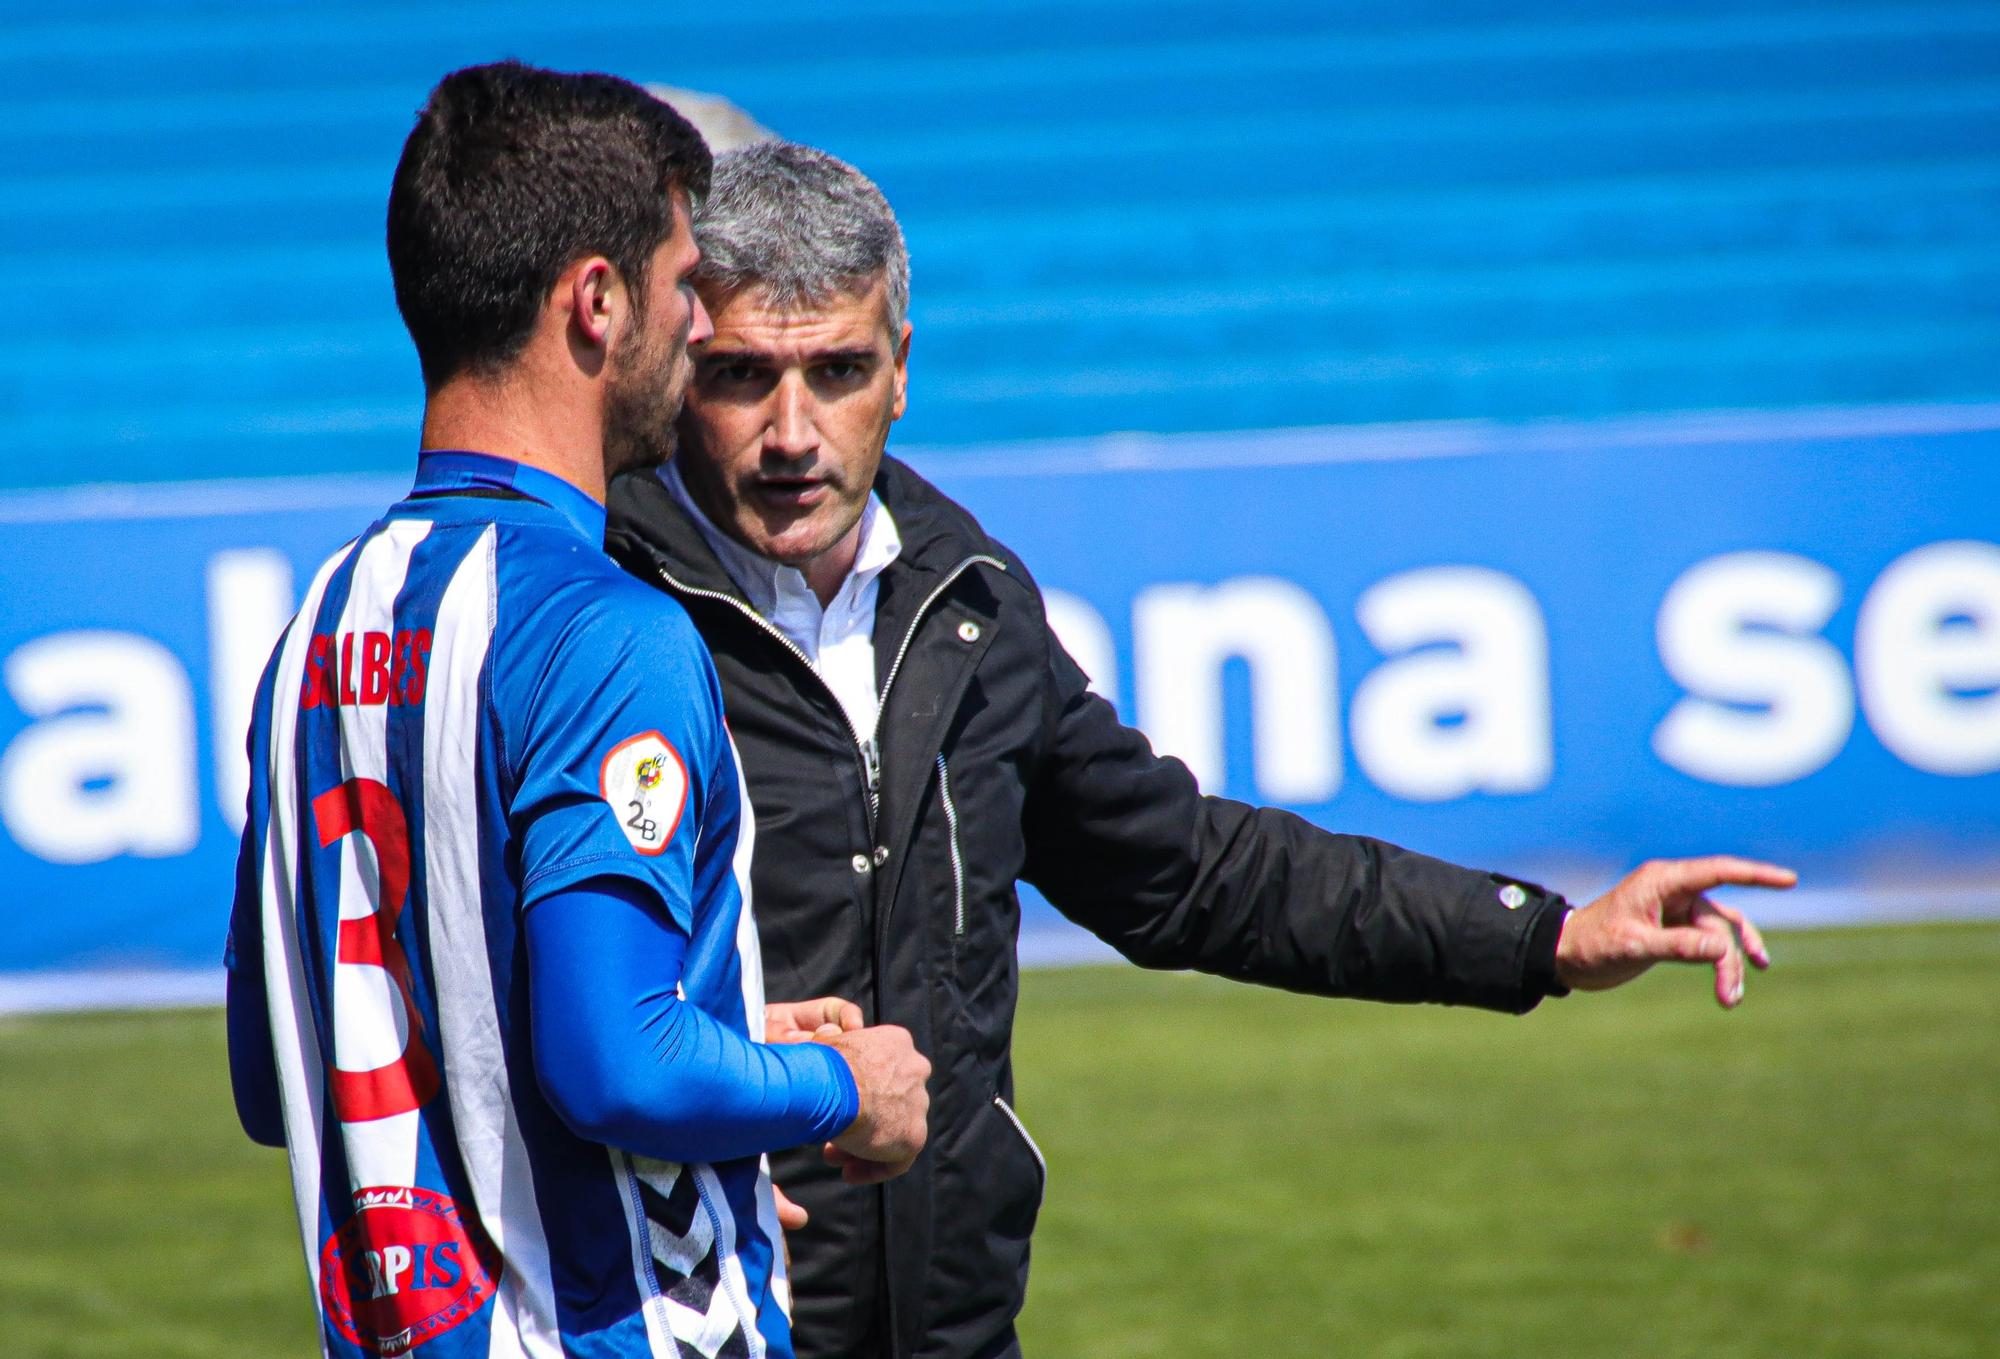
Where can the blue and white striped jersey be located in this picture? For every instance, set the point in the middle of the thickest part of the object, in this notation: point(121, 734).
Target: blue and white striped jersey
point(476, 709)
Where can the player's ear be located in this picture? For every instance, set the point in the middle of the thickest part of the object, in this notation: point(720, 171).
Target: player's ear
point(902, 373)
point(592, 297)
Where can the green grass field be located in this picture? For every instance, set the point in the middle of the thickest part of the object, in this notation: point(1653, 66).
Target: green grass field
point(1248, 1174)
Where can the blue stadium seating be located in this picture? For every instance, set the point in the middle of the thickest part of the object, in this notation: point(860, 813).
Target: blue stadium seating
point(1123, 215)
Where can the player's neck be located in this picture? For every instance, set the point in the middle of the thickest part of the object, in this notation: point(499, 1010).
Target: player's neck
point(510, 419)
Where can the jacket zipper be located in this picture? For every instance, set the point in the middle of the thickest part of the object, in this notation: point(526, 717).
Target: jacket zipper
point(869, 750)
point(957, 860)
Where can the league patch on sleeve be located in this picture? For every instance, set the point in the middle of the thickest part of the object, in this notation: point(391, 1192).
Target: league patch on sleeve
point(646, 785)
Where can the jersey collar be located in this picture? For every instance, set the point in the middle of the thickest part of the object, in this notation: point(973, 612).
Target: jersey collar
point(457, 470)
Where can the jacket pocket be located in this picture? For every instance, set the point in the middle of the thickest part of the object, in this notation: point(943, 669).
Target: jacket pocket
point(988, 1196)
point(1028, 1140)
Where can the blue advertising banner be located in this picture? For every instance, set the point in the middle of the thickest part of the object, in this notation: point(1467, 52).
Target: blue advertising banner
point(1552, 649)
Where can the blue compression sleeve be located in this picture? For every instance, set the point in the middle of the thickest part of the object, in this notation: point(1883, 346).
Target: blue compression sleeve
point(625, 1061)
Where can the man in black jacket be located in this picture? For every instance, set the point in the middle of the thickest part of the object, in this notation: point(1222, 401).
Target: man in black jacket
point(916, 741)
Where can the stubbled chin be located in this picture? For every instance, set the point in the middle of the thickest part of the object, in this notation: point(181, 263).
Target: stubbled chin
point(792, 539)
point(795, 534)
point(793, 549)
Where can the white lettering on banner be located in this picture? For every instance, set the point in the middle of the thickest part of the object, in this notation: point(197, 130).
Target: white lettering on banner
point(1184, 634)
point(1087, 638)
point(1927, 656)
point(250, 599)
point(1437, 722)
point(107, 767)
point(107, 762)
point(1769, 700)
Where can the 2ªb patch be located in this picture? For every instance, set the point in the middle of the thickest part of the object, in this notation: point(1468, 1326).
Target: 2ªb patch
point(645, 784)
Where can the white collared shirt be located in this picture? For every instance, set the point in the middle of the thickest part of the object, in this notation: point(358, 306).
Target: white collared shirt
point(838, 640)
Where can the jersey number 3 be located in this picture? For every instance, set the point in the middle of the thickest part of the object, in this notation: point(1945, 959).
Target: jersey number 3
point(366, 808)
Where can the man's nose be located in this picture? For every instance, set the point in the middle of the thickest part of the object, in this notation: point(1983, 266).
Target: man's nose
point(699, 326)
point(791, 431)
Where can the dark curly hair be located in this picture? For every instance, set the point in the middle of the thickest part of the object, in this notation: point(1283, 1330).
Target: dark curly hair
point(512, 174)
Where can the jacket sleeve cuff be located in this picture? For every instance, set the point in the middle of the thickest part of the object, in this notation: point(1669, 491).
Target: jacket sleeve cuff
point(1540, 978)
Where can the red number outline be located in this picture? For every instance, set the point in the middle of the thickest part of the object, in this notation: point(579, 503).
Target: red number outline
point(365, 807)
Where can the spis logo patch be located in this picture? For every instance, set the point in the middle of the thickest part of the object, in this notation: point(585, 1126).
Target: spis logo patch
point(404, 1269)
point(646, 785)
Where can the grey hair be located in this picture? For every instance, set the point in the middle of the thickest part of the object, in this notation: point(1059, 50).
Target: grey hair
point(800, 226)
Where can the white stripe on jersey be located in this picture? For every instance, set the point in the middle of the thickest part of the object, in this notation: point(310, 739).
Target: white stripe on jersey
point(750, 954)
point(733, 1284)
point(471, 1048)
point(370, 1025)
point(653, 1306)
point(294, 1039)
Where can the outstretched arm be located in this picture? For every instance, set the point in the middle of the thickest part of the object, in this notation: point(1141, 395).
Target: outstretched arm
point(1124, 843)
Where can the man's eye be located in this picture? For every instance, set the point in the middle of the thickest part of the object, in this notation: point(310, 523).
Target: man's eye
point(731, 372)
point(840, 371)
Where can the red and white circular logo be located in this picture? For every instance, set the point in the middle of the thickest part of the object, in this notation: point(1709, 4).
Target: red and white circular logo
point(404, 1269)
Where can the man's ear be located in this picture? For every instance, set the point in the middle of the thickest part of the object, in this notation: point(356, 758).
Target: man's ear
point(594, 299)
point(902, 374)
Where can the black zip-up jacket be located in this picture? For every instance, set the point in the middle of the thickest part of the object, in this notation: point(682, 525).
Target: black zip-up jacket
point(885, 872)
